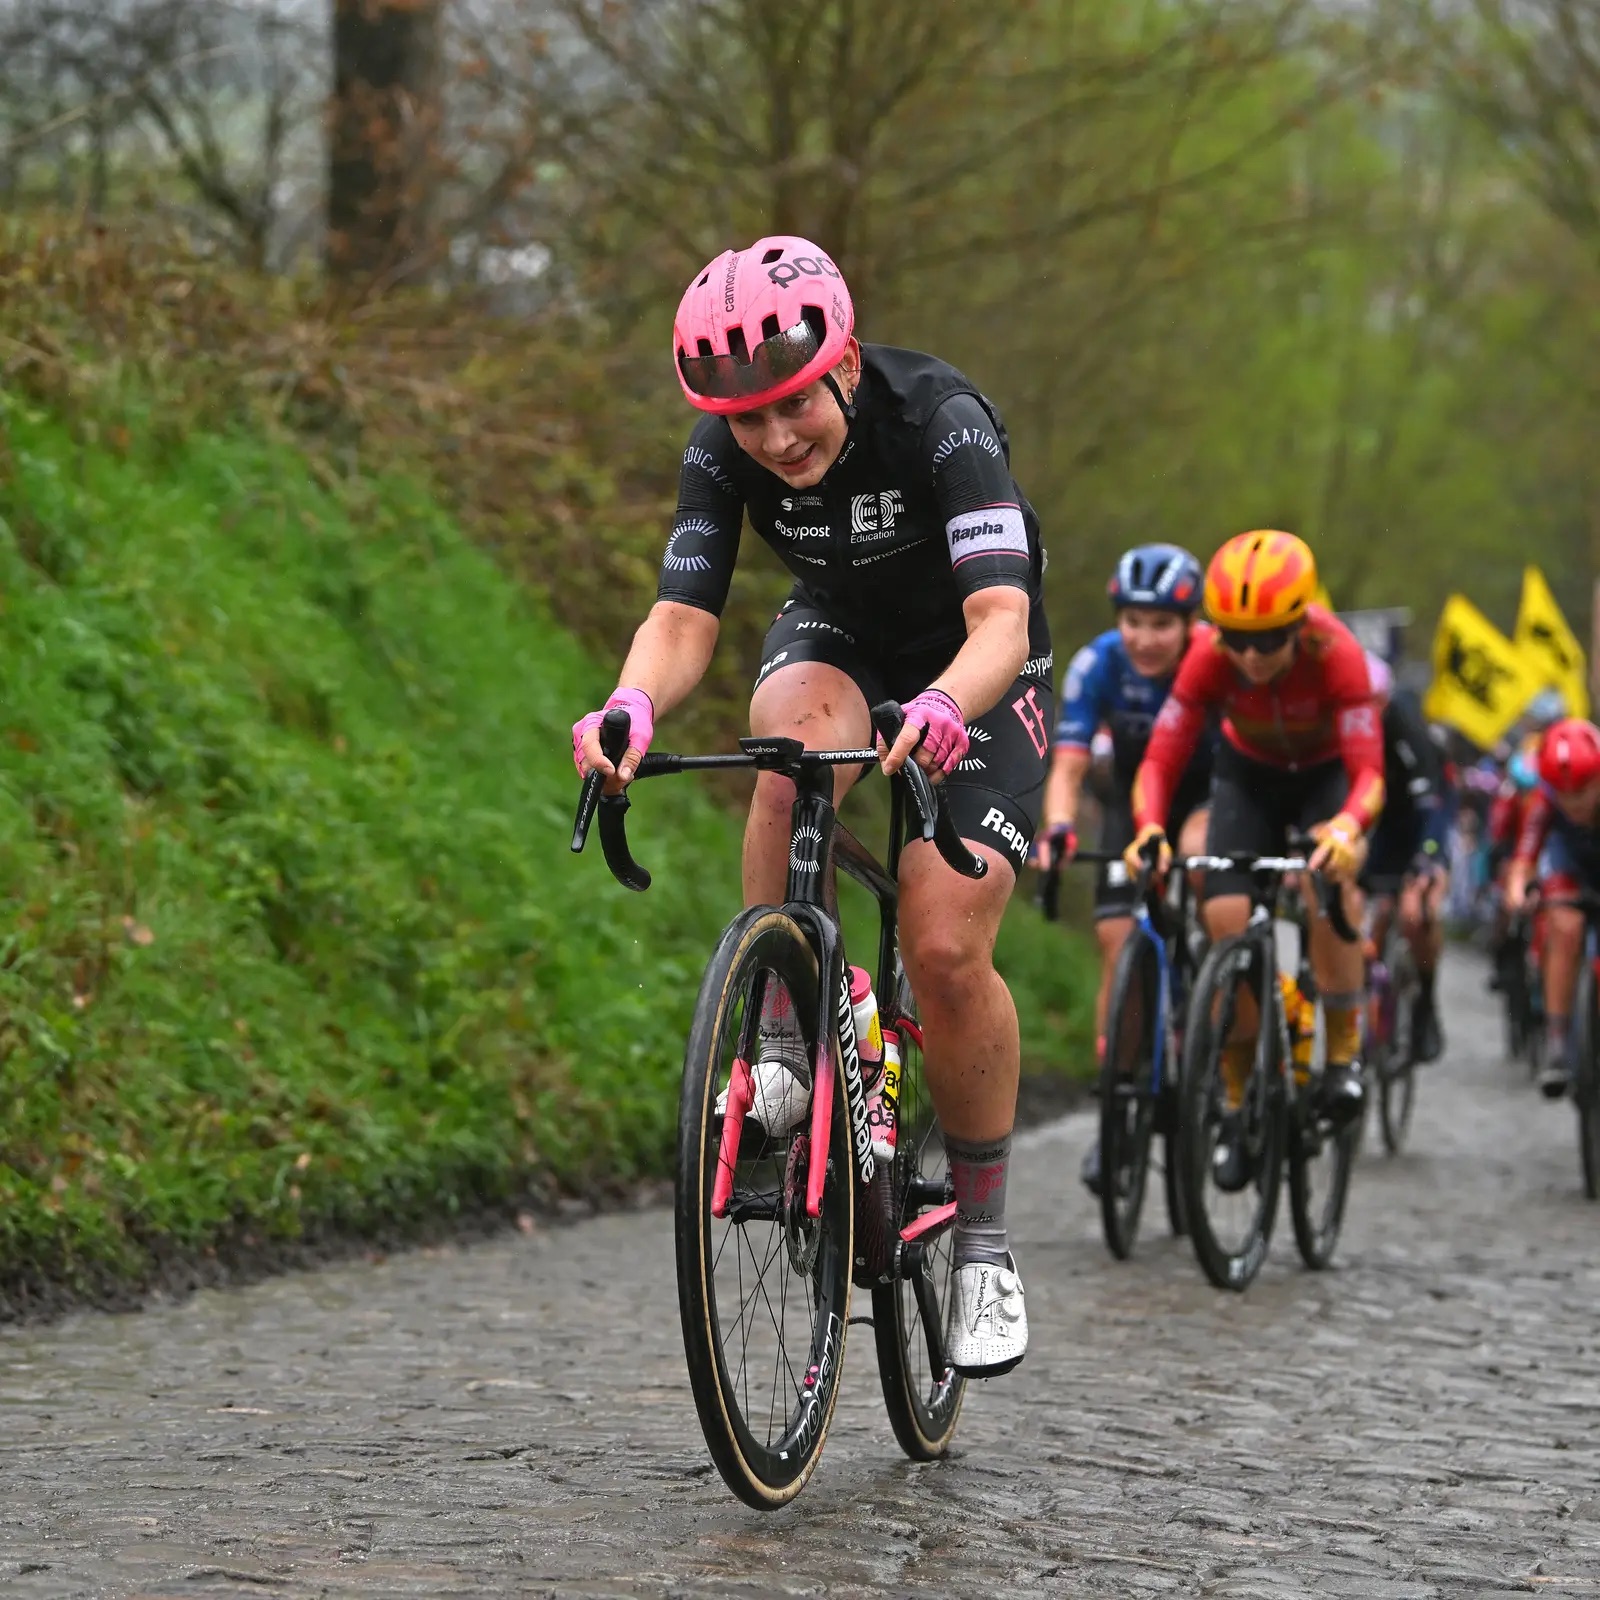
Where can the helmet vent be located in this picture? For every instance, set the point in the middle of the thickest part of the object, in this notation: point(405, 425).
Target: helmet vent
point(772, 255)
point(1244, 595)
point(816, 322)
point(703, 279)
point(770, 328)
point(738, 346)
point(704, 347)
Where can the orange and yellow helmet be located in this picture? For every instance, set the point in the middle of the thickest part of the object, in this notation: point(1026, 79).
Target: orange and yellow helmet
point(1260, 580)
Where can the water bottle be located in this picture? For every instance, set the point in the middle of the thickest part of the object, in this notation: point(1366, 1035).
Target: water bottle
point(869, 1031)
point(883, 1110)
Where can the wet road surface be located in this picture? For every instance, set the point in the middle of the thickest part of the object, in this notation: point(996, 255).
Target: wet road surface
point(513, 1417)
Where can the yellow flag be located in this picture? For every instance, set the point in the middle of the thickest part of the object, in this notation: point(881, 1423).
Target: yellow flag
point(1481, 680)
point(1545, 639)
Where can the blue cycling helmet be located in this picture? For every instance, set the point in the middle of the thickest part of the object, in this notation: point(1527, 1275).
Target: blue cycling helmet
point(1161, 577)
point(1523, 772)
point(1547, 708)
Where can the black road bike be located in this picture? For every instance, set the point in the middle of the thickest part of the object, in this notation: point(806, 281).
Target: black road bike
point(1394, 991)
point(1522, 992)
point(1279, 1118)
point(1139, 1077)
point(1584, 1048)
point(773, 1232)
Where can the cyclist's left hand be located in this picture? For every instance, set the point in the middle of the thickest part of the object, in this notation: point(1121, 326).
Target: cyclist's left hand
point(935, 732)
point(1341, 848)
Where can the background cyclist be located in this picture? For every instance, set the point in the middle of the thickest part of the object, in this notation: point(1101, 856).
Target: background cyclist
point(1301, 748)
point(882, 480)
point(1563, 822)
point(1119, 682)
point(1407, 867)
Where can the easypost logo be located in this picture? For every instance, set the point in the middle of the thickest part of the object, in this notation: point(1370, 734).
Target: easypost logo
point(793, 530)
point(872, 515)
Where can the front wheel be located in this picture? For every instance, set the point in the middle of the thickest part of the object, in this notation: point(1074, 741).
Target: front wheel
point(764, 1288)
point(1230, 1225)
point(1586, 1076)
point(922, 1392)
point(1128, 1099)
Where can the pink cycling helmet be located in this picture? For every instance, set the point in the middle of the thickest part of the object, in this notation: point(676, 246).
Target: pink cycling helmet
point(760, 324)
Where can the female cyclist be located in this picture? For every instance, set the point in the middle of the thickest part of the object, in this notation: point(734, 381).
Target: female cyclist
point(1302, 748)
point(1119, 682)
point(882, 480)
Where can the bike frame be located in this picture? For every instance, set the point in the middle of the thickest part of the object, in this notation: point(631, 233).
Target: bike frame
point(820, 844)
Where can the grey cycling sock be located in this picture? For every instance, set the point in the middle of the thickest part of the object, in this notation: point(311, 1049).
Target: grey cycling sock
point(1555, 1040)
point(978, 1170)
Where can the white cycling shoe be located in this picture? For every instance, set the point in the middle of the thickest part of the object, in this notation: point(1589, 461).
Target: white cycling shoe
point(782, 1098)
point(988, 1323)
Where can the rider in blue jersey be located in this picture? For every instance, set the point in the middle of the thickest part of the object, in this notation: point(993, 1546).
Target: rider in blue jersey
point(1119, 683)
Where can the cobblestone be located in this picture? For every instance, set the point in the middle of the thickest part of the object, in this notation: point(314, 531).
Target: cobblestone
point(513, 1417)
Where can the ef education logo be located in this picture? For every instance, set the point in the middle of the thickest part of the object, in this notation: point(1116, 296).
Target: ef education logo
point(872, 515)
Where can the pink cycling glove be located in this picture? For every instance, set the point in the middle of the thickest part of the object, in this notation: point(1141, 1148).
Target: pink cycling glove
point(641, 722)
point(944, 727)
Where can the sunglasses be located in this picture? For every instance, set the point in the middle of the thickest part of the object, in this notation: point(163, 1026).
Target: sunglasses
point(1264, 642)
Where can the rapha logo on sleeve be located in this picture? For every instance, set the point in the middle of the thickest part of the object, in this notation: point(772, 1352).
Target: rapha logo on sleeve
point(993, 531)
point(682, 556)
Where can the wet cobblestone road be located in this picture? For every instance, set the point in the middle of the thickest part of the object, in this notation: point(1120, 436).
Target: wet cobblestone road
point(513, 1418)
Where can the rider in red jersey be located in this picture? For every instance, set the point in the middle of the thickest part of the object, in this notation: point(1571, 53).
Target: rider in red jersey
point(1561, 833)
point(1302, 748)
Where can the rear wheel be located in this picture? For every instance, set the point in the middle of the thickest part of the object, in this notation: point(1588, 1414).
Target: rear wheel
point(921, 1391)
point(1396, 1072)
point(763, 1291)
point(1320, 1158)
point(1127, 1097)
point(1231, 1228)
point(1586, 1076)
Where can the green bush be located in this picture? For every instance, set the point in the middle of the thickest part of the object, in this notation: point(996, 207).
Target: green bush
point(295, 940)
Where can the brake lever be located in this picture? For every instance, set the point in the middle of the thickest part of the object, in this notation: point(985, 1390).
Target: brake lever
point(937, 828)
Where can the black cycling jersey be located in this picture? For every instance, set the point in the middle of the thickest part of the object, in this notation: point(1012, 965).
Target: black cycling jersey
point(1413, 770)
point(919, 511)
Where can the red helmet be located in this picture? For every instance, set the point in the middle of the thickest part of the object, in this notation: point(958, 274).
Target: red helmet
point(1569, 759)
point(760, 324)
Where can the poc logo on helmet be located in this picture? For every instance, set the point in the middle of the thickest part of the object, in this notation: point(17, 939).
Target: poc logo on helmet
point(783, 273)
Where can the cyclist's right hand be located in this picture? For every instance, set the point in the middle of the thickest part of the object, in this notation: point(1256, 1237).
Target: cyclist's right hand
point(1055, 847)
point(587, 755)
point(1516, 891)
point(1135, 856)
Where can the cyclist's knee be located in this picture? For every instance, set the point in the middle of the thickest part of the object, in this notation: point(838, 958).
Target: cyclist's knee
point(1112, 934)
point(1563, 928)
point(946, 961)
point(1226, 914)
